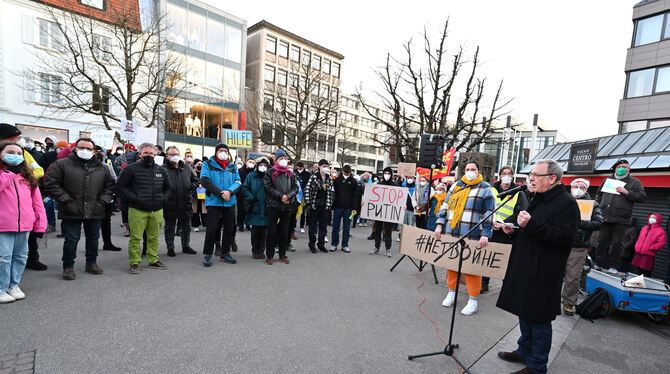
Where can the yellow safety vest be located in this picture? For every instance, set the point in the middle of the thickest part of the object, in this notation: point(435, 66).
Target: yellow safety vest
point(507, 210)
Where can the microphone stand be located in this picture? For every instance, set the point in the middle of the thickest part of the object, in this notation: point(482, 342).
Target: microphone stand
point(450, 347)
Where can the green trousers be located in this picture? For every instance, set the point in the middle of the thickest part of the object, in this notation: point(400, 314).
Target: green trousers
point(139, 221)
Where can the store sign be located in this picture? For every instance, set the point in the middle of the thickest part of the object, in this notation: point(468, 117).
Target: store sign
point(238, 138)
point(582, 157)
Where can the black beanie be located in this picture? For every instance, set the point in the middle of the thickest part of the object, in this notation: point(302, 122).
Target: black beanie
point(389, 170)
point(219, 146)
point(8, 131)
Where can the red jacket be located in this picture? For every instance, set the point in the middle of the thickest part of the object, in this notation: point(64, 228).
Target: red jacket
point(650, 241)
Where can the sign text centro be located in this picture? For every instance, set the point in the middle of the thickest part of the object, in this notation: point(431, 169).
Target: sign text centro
point(238, 138)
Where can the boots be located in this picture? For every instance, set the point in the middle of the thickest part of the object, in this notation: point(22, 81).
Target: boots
point(126, 232)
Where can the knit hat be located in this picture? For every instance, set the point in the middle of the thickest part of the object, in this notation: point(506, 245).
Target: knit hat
point(219, 146)
point(52, 138)
point(279, 154)
point(621, 161)
point(62, 144)
point(8, 131)
point(323, 161)
point(262, 160)
point(583, 181)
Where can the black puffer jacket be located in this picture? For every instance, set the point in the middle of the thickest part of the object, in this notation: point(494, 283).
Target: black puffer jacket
point(586, 228)
point(145, 187)
point(346, 193)
point(619, 208)
point(282, 185)
point(82, 188)
point(183, 183)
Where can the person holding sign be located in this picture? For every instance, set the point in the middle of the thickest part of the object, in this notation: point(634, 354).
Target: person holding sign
point(469, 200)
point(617, 207)
point(386, 227)
point(573, 269)
point(531, 289)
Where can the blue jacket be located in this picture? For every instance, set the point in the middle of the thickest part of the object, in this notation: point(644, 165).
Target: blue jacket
point(215, 180)
point(254, 195)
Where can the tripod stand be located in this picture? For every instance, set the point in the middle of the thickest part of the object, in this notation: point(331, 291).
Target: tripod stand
point(450, 347)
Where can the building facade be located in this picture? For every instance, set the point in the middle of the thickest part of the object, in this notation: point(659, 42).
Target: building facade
point(212, 44)
point(646, 99)
point(280, 66)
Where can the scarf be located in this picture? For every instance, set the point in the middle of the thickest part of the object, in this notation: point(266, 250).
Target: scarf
point(459, 197)
point(223, 164)
point(440, 200)
point(280, 170)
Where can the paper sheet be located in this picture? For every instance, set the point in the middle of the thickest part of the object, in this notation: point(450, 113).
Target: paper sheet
point(611, 185)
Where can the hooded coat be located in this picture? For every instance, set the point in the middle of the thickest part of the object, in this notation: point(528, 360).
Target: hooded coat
point(183, 183)
point(650, 241)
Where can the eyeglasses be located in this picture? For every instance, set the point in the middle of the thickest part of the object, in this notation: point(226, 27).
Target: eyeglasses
point(533, 175)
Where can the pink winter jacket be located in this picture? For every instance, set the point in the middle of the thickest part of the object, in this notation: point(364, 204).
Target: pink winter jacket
point(21, 208)
point(650, 241)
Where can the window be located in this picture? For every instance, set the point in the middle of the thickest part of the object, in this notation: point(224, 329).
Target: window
point(50, 35)
point(334, 93)
point(667, 28)
point(294, 80)
point(336, 70)
point(634, 126)
point(271, 44)
point(295, 53)
point(324, 91)
point(283, 49)
point(326, 66)
point(97, 4)
point(215, 37)
point(176, 23)
point(50, 88)
point(269, 73)
point(233, 43)
point(640, 83)
point(231, 84)
point(331, 144)
point(316, 63)
point(648, 30)
point(101, 47)
point(306, 57)
point(279, 137)
point(100, 99)
point(267, 132)
point(214, 79)
point(659, 123)
point(268, 103)
point(281, 77)
point(197, 30)
point(663, 80)
point(321, 146)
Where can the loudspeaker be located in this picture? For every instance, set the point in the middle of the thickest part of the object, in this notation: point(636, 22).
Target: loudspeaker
point(432, 148)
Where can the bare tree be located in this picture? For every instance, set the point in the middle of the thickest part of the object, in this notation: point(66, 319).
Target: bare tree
point(301, 111)
point(347, 140)
point(95, 66)
point(420, 94)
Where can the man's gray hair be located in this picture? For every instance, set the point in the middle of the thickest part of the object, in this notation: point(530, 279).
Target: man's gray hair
point(553, 168)
point(145, 145)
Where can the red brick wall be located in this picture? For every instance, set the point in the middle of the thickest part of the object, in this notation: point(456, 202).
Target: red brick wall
point(113, 9)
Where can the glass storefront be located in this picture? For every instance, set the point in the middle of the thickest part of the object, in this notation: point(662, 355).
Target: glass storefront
point(198, 119)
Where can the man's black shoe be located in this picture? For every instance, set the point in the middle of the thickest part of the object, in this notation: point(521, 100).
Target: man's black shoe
point(110, 247)
point(171, 253)
point(510, 356)
point(36, 265)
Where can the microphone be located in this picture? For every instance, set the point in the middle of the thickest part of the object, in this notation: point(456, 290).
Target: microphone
point(512, 191)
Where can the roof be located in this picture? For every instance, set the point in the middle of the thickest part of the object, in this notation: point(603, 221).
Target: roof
point(644, 150)
point(267, 25)
point(644, 2)
point(113, 9)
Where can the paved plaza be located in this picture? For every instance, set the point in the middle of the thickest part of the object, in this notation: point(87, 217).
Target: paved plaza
point(323, 313)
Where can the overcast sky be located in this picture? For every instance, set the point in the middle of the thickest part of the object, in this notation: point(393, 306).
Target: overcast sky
point(561, 59)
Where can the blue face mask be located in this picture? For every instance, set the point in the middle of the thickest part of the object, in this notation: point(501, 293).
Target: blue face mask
point(12, 160)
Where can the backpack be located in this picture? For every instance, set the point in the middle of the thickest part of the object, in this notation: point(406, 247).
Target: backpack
point(596, 305)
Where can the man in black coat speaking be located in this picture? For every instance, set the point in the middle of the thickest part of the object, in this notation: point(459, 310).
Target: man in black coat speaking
point(532, 286)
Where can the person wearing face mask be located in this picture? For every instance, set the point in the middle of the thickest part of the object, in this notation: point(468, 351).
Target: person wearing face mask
point(650, 241)
point(255, 200)
point(199, 210)
point(411, 204)
point(281, 187)
point(221, 179)
point(507, 213)
point(23, 213)
point(385, 228)
point(617, 211)
point(468, 201)
point(124, 158)
point(248, 168)
point(50, 143)
point(83, 187)
point(106, 227)
point(188, 158)
point(145, 186)
point(303, 177)
point(178, 205)
point(435, 201)
point(422, 196)
point(319, 196)
point(345, 203)
point(575, 264)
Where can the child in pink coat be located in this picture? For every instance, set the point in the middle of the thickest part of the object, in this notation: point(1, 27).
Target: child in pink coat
point(22, 212)
point(650, 241)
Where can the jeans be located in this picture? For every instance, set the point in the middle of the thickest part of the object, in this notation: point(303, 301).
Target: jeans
point(184, 224)
point(13, 258)
point(72, 234)
point(277, 231)
point(610, 234)
point(141, 221)
point(340, 214)
point(534, 344)
point(50, 208)
point(318, 220)
point(215, 216)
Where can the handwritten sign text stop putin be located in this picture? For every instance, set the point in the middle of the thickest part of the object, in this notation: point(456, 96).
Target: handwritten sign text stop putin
point(384, 203)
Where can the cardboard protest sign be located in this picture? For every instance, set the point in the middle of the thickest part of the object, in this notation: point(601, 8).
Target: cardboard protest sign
point(128, 130)
point(586, 209)
point(146, 135)
point(103, 138)
point(407, 169)
point(384, 203)
point(611, 185)
point(490, 261)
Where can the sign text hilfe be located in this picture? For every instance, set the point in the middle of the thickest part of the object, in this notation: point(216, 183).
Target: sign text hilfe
point(490, 261)
point(384, 203)
point(238, 138)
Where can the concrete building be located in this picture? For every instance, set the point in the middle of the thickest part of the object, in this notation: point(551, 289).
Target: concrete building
point(279, 66)
point(646, 99)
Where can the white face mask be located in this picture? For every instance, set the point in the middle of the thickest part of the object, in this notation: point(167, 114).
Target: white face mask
point(325, 170)
point(175, 159)
point(38, 149)
point(222, 156)
point(239, 166)
point(84, 154)
point(30, 145)
point(578, 193)
point(262, 168)
point(387, 176)
point(250, 165)
point(410, 180)
point(423, 184)
point(471, 175)
point(652, 220)
point(506, 179)
point(283, 162)
point(21, 142)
